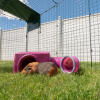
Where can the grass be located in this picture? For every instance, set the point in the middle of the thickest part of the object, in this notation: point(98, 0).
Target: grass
point(82, 86)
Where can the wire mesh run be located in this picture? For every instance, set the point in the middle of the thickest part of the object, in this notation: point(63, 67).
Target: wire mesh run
point(68, 28)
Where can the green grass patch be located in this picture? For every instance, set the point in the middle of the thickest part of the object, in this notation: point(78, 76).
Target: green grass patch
point(82, 86)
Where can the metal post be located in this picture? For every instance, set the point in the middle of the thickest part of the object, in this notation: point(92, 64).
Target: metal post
point(27, 28)
point(90, 31)
point(39, 31)
point(0, 44)
point(60, 41)
point(56, 6)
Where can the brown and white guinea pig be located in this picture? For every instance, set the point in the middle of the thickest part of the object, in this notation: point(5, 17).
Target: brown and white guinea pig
point(47, 68)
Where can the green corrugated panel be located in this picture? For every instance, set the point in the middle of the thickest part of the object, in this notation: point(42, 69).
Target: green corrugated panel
point(20, 10)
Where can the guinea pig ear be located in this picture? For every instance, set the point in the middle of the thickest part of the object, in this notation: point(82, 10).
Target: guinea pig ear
point(34, 68)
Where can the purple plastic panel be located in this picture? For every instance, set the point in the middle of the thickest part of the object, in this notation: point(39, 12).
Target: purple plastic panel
point(77, 64)
point(56, 60)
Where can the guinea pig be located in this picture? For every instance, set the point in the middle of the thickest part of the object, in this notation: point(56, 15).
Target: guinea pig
point(47, 68)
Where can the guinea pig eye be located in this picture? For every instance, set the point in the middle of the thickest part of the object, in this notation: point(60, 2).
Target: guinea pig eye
point(29, 68)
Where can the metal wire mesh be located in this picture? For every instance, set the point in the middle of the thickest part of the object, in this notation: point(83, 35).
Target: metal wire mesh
point(68, 28)
point(12, 37)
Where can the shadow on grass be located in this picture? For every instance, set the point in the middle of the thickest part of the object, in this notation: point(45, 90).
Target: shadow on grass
point(80, 72)
point(6, 70)
point(6, 66)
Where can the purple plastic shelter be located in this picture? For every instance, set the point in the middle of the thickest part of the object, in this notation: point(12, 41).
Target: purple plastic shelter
point(60, 61)
point(23, 58)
